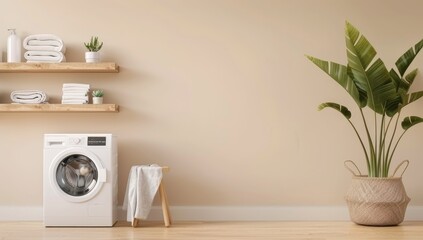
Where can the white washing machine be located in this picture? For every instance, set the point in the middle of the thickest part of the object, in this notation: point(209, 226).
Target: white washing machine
point(80, 180)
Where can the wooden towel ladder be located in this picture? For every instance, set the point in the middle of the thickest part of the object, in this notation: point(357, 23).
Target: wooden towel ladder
point(164, 203)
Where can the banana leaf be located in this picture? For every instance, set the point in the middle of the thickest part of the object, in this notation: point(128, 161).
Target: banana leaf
point(371, 76)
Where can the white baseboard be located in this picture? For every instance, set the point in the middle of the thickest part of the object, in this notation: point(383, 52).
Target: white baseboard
point(21, 213)
point(254, 213)
point(222, 213)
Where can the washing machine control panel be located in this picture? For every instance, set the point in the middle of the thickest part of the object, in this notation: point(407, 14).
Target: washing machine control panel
point(78, 140)
point(89, 141)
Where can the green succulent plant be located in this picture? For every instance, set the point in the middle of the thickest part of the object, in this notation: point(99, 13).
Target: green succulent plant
point(386, 93)
point(98, 93)
point(94, 45)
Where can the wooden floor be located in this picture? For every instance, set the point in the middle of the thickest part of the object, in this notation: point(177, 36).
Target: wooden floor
point(215, 230)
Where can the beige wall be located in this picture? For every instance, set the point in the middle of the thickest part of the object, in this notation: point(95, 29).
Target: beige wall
point(219, 90)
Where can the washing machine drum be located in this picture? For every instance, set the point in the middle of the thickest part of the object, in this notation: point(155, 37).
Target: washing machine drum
point(77, 175)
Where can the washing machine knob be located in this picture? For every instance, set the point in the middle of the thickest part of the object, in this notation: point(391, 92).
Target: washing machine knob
point(75, 140)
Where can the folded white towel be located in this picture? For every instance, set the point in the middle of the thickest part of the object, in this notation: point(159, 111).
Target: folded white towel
point(142, 186)
point(44, 56)
point(66, 97)
point(76, 85)
point(75, 90)
point(71, 101)
point(75, 93)
point(28, 96)
point(44, 42)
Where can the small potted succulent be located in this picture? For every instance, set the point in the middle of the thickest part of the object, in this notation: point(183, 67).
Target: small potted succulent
point(93, 56)
point(98, 96)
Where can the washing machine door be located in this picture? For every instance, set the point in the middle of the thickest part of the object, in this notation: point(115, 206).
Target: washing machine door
point(77, 174)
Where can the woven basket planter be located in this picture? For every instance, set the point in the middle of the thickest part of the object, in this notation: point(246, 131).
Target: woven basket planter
point(377, 201)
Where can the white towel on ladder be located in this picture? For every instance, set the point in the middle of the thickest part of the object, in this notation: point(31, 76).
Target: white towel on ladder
point(142, 186)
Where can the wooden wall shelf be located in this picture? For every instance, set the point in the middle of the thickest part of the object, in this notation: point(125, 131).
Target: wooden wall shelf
point(10, 108)
point(66, 67)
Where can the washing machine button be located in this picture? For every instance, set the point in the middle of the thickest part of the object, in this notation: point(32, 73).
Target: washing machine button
point(75, 140)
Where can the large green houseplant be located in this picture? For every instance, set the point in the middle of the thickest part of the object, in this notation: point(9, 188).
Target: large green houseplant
point(385, 93)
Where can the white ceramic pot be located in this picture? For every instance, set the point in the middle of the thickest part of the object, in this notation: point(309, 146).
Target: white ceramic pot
point(92, 57)
point(97, 100)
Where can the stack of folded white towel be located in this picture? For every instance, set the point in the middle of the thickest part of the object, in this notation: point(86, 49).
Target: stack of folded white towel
point(29, 96)
point(46, 48)
point(75, 93)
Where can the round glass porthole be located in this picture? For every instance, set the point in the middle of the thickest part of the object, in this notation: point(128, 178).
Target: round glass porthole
point(77, 175)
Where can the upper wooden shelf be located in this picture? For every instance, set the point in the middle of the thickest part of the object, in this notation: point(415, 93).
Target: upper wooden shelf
point(65, 67)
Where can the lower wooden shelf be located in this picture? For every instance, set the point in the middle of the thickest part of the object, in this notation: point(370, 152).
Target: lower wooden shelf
point(59, 108)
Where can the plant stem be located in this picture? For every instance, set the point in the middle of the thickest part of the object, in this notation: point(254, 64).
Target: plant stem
point(381, 144)
point(395, 147)
point(385, 153)
point(361, 142)
point(370, 162)
point(388, 155)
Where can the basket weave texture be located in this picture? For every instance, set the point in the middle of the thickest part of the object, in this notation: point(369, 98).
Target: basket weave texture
point(377, 201)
